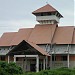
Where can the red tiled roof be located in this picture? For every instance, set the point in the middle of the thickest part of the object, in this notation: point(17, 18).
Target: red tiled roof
point(42, 34)
point(23, 34)
point(38, 48)
point(7, 38)
point(63, 35)
point(46, 8)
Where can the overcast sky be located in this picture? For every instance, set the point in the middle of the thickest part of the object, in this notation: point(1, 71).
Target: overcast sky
point(15, 14)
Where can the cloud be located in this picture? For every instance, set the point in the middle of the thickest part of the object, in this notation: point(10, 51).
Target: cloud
point(15, 14)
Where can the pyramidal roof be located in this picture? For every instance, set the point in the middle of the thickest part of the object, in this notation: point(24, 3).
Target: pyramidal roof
point(46, 8)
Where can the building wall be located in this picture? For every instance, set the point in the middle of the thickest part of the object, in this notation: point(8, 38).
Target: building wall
point(61, 50)
point(58, 50)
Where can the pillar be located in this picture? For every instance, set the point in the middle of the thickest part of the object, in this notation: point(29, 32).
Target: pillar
point(15, 59)
point(25, 64)
point(37, 64)
point(51, 65)
point(68, 60)
point(68, 56)
point(8, 59)
point(44, 64)
point(41, 65)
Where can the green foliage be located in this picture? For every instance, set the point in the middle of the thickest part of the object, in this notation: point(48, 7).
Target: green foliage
point(60, 71)
point(11, 68)
point(14, 69)
point(3, 72)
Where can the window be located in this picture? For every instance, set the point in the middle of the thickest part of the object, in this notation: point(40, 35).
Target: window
point(64, 58)
point(3, 58)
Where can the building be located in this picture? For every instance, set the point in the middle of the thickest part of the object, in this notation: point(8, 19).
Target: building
point(45, 46)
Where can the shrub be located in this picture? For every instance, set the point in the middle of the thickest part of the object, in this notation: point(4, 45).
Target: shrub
point(14, 69)
point(60, 71)
point(3, 72)
point(11, 68)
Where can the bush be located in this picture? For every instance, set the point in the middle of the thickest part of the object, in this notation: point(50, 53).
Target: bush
point(60, 71)
point(11, 68)
point(14, 69)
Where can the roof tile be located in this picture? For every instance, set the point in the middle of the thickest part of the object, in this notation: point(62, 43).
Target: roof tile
point(42, 34)
point(23, 34)
point(46, 8)
point(63, 35)
point(7, 38)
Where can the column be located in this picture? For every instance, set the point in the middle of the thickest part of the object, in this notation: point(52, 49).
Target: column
point(44, 64)
point(15, 59)
point(25, 64)
point(68, 60)
point(8, 59)
point(37, 64)
point(51, 65)
point(68, 56)
point(41, 65)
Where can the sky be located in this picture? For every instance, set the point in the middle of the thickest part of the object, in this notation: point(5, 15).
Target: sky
point(16, 14)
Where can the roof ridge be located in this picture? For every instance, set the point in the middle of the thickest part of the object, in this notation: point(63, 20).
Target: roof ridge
point(25, 28)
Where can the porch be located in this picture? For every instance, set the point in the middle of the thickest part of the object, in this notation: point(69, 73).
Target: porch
point(29, 56)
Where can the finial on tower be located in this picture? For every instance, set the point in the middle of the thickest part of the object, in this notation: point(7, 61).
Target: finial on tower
point(46, 2)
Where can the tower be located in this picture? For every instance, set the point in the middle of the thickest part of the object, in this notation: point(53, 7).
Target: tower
point(47, 15)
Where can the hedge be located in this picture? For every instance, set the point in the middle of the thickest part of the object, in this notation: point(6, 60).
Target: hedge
point(13, 69)
point(9, 69)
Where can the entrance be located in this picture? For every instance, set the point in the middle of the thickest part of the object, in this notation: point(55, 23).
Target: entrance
point(33, 67)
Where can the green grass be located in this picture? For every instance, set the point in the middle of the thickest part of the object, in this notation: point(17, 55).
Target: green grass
point(60, 71)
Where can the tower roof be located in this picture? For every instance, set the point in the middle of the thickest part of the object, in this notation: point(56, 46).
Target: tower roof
point(46, 8)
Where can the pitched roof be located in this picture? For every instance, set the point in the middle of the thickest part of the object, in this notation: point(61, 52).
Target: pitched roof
point(46, 8)
point(63, 35)
point(42, 34)
point(38, 48)
point(23, 34)
point(25, 47)
point(7, 38)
